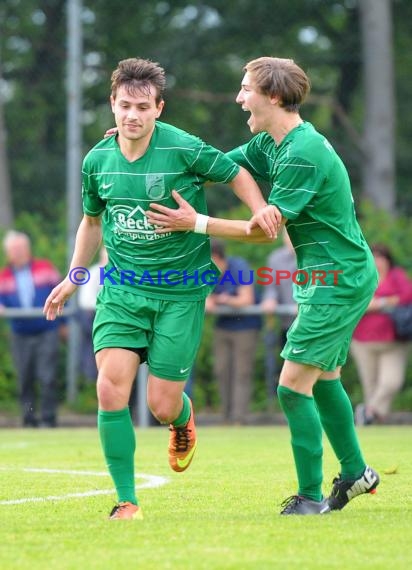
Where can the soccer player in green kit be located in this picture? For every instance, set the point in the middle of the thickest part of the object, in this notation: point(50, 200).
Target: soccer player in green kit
point(310, 188)
point(151, 306)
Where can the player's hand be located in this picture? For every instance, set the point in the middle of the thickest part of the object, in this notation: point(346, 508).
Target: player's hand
point(170, 219)
point(110, 132)
point(269, 219)
point(53, 307)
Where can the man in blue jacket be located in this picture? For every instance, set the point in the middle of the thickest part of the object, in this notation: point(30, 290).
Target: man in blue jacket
point(25, 283)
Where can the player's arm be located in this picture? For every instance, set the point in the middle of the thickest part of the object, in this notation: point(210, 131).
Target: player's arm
point(88, 239)
point(185, 218)
point(246, 189)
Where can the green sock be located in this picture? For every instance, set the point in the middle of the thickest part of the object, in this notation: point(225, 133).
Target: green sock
point(306, 431)
point(336, 415)
point(118, 441)
point(184, 415)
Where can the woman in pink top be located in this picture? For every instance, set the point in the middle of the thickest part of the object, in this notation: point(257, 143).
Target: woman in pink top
point(380, 359)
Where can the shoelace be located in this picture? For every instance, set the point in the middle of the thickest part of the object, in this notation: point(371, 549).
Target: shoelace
point(117, 508)
point(181, 438)
point(290, 502)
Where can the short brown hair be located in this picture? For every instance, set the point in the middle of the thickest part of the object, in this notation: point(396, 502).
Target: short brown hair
point(139, 74)
point(282, 78)
point(217, 248)
point(381, 250)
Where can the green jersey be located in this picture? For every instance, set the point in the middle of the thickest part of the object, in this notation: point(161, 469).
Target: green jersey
point(166, 266)
point(311, 187)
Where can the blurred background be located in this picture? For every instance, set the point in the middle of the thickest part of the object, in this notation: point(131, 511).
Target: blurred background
point(56, 58)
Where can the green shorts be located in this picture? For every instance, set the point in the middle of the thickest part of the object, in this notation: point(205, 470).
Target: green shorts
point(168, 331)
point(321, 334)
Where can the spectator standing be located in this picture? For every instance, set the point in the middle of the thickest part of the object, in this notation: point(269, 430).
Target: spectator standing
point(26, 283)
point(279, 292)
point(380, 358)
point(235, 336)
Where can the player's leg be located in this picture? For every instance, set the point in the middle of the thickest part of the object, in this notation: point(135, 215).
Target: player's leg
point(308, 350)
point(336, 414)
point(172, 351)
point(120, 340)
point(171, 405)
point(117, 370)
point(318, 340)
point(296, 400)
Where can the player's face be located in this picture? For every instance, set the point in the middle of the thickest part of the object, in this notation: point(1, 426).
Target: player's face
point(258, 105)
point(135, 112)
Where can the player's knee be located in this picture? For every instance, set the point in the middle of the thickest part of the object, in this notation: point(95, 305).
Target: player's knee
point(110, 395)
point(161, 414)
point(161, 411)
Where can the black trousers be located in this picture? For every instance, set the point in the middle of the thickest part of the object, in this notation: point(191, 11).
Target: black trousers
point(35, 360)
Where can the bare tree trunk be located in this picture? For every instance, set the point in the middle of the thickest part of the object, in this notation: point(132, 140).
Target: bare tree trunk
point(379, 126)
point(6, 210)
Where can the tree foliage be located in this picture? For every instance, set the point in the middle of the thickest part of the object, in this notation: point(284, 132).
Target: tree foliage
point(203, 46)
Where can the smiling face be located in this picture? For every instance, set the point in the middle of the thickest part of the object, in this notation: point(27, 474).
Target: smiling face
point(258, 105)
point(136, 111)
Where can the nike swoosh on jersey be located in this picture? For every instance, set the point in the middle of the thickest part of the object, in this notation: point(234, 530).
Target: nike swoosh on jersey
point(106, 186)
point(183, 370)
point(298, 350)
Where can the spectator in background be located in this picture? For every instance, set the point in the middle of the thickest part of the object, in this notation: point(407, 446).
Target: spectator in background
point(87, 305)
point(235, 336)
point(26, 283)
point(278, 293)
point(380, 359)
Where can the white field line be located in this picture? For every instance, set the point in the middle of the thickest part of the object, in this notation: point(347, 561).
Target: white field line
point(14, 445)
point(149, 482)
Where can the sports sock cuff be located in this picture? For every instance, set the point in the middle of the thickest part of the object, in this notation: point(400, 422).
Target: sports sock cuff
point(327, 385)
point(283, 391)
point(115, 414)
point(184, 415)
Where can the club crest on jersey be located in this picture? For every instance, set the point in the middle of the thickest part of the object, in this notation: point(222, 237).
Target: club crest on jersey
point(155, 186)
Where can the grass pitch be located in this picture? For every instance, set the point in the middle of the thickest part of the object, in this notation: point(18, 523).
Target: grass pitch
point(222, 513)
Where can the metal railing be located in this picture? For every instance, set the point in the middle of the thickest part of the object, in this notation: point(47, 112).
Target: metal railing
point(143, 413)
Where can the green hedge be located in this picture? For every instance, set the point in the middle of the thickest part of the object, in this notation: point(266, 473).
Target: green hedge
point(378, 226)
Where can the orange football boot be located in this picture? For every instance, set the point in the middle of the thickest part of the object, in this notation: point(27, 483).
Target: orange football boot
point(126, 510)
point(182, 444)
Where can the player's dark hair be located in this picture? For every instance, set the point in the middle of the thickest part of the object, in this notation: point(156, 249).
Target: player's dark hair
point(138, 74)
point(382, 250)
point(281, 78)
point(217, 248)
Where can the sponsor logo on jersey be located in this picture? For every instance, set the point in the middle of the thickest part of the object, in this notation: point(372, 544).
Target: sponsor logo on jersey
point(133, 224)
point(155, 186)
